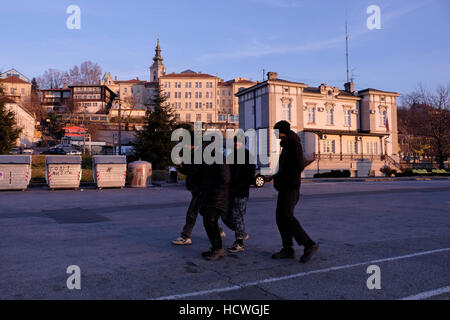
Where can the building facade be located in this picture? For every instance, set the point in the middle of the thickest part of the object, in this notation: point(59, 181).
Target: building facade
point(25, 120)
point(339, 129)
point(16, 89)
point(92, 98)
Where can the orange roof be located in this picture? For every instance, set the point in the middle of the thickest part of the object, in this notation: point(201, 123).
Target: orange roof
point(188, 75)
point(229, 82)
point(131, 81)
point(13, 79)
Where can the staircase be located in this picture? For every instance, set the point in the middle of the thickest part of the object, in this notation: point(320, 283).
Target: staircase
point(392, 163)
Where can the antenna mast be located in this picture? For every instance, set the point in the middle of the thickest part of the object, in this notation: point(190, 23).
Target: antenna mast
point(346, 45)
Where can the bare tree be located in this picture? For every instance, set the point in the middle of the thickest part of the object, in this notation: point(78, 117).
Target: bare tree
point(425, 122)
point(51, 79)
point(90, 72)
point(87, 73)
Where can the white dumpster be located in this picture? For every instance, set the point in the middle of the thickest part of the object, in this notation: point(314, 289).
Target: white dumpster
point(109, 171)
point(63, 172)
point(139, 174)
point(15, 172)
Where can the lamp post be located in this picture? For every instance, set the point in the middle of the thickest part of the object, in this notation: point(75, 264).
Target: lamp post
point(120, 129)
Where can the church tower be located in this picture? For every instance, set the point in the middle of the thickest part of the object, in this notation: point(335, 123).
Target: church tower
point(157, 69)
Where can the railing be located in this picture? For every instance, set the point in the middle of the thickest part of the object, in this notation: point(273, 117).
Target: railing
point(347, 157)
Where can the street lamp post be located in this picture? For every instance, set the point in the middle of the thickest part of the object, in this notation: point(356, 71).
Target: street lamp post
point(120, 129)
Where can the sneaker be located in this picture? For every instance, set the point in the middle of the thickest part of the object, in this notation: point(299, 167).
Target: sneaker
point(215, 255)
point(182, 241)
point(284, 254)
point(237, 247)
point(309, 252)
point(222, 234)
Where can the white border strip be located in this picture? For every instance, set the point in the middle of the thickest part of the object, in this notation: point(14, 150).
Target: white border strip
point(296, 275)
point(428, 294)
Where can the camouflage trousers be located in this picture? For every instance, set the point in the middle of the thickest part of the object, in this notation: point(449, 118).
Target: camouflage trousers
point(234, 217)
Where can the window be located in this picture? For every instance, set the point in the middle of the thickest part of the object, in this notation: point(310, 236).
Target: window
point(188, 117)
point(223, 101)
point(23, 91)
point(329, 146)
point(198, 117)
point(347, 118)
point(372, 147)
point(207, 95)
point(286, 112)
point(383, 118)
point(330, 116)
point(311, 115)
point(229, 101)
point(209, 117)
point(352, 147)
point(177, 117)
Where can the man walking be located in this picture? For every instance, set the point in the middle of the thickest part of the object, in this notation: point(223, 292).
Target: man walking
point(214, 202)
point(193, 173)
point(287, 182)
point(242, 171)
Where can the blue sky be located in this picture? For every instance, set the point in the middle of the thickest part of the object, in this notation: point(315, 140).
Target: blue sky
point(301, 40)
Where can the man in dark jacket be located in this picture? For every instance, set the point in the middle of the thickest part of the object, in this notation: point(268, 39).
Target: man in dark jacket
point(287, 182)
point(193, 173)
point(242, 170)
point(214, 202)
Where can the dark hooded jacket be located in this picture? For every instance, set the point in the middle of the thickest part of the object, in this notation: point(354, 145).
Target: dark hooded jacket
point(290, 165)
point(215, 185)
point(193, 173)
point(242, 174)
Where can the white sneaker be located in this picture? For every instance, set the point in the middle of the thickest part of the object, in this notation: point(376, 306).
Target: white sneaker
point(182, 241)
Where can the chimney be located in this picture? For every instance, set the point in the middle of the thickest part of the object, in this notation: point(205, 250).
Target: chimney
point(349, 87)
point(272, 75)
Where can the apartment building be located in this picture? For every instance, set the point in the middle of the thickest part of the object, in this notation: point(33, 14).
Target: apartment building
point(339, 129)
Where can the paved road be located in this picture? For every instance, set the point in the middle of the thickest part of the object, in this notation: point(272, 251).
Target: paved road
point(121, 241)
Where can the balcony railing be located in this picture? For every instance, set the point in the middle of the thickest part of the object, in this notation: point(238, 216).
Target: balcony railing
point(348, 157)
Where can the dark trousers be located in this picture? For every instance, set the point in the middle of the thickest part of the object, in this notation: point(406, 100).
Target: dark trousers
point(211, 222)
point(288, 225)
point(191, 214)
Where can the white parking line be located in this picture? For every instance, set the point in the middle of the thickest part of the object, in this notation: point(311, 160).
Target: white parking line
point(428, 294)
point(296, 275)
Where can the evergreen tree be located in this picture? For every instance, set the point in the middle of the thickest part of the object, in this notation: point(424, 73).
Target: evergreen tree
point(9, 133)
point(153, 143)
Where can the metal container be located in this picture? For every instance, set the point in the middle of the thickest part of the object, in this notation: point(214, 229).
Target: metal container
point(63, 172)
point(15, 172)
point(172, 175)
point(109, 171)
point(139, 174)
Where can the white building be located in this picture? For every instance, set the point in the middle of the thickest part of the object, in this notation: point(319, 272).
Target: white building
point(339, 129)
point(24, 120)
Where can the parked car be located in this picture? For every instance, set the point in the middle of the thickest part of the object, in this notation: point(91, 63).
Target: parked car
point(15, 151)
point(55, 151)
point(73, 152)
point(262, 175)
point(27, 151)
